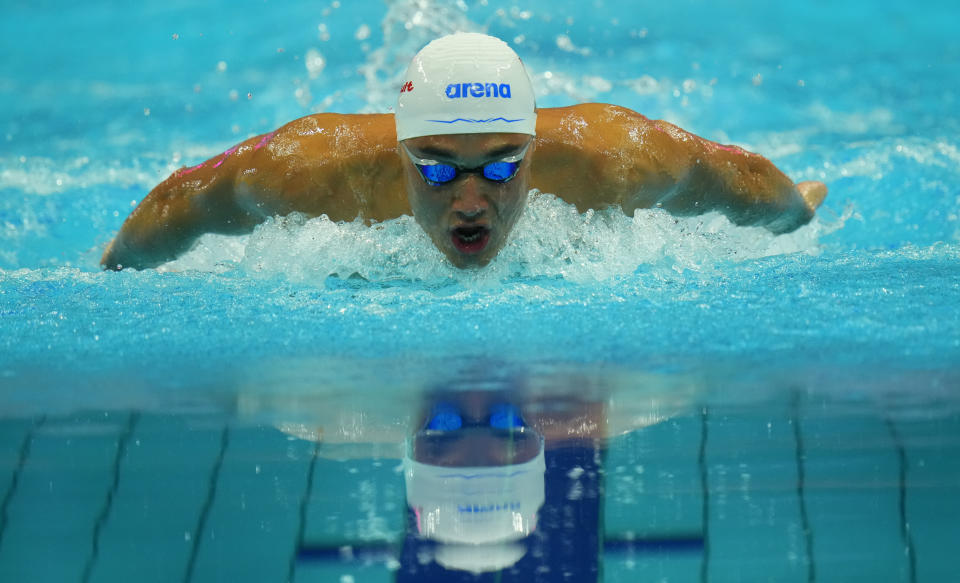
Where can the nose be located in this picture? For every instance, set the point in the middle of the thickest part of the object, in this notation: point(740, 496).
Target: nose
point(468, 203)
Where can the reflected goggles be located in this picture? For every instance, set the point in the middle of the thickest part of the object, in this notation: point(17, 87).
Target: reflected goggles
point(436, 173)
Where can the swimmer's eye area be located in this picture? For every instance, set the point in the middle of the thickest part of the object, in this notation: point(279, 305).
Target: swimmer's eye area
point(438, 173)
point(446, 417)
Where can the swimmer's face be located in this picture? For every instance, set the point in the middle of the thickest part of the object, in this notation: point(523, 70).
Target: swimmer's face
point(470, 217)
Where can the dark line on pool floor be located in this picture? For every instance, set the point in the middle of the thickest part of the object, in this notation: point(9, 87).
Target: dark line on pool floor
point(679, 544)
point(121, 452)
point(705, 488)
point(904, 521)
point(801, 485)
point(207, 505)
point(15, 478)
point(304, 504)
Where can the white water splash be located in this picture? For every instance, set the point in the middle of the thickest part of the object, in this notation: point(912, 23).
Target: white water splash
point(551, 240)
point(407, 27)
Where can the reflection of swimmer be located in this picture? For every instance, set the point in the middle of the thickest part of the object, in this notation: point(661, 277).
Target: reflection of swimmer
point(488, 494)
point(467, 155)
point(475, 486)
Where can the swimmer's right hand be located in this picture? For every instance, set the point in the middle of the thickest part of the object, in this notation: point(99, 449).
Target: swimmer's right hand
point(813, 193)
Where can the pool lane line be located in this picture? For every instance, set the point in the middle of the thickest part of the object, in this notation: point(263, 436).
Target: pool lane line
point(801, 455)
point(677, 545)
point(207, 504)
point(304, 504)
point(601, 449)
point(904, 522)
point(121, 452)
point(15, 478)
point(705, 490)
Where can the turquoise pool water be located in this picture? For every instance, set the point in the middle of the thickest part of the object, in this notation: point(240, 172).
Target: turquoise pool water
point(773, 408)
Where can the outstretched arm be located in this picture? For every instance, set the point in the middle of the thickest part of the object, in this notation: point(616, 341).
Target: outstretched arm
point(191, 202)
point(343, 166)
point(597, 154)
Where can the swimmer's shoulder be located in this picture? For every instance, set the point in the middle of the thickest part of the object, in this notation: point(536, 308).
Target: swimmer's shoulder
point(341, 126)
point(325, 136)
point(550, 118)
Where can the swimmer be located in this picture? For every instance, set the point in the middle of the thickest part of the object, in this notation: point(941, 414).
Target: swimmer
point(461, 152)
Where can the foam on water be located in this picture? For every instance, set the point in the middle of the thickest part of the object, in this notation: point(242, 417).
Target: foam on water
point(551, 240)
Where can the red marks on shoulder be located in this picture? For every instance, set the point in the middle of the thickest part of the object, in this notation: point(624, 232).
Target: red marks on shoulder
point(185, 171)
point(225, 155)
point(263, 141)
point(731, 149)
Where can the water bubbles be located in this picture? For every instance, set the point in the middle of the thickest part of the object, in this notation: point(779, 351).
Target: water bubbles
point(516, 12)
point(363, 32)
point(303, 95)
point(598, 84)
point(222, 67)
point(564, 43)
point(315, 63)
point(645, 85)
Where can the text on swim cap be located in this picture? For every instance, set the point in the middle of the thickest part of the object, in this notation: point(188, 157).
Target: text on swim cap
point(491, 507)
point(460, 90)
point(408, 86)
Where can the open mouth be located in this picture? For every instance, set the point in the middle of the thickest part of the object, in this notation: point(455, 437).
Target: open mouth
point(470, 239)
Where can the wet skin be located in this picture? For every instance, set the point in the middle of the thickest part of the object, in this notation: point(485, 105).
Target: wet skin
point(347, 166)
point(469, 218)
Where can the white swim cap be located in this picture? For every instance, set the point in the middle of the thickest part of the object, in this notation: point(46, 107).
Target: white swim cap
point(486, 505)
point(465, 83)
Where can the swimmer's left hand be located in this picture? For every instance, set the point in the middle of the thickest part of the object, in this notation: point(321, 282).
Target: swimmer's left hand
point(813, 193)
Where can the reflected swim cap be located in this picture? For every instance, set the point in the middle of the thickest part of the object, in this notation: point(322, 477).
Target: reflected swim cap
point(465, 83)
point(476, 505)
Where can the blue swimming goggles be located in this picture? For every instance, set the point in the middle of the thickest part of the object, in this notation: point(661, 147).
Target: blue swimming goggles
point(436, 173)
point(446, 417)
point(452, 439)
